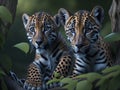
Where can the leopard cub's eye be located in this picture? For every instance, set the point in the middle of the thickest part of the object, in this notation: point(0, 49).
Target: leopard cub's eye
point(32, 29)
point(48, 26)
point(72, 30)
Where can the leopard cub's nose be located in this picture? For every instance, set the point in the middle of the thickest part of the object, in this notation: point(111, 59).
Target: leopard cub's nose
point(38, 42)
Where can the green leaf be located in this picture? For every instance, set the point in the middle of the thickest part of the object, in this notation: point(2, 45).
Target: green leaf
point(111, 69)
point(106, 29)
point(2, 40)
point(2, 72)
point(5, 62)
point(84, 85)
point(114, 83)
point(5, 14)
point(110, 79)
point(68, 83)
point(103, 83)
point(3, 84)
point(112, 37)
point(23, 46)
point(66, 80)
point(81, 76)
point(54, 80)
point(110, 73)
point(91, 77)
point(113, 74)
point(57, 75)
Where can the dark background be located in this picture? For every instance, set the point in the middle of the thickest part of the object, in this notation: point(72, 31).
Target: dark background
point(17, 33)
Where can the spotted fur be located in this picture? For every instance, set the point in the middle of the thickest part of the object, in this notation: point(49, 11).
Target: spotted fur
point(52, 53)
point(83, 31)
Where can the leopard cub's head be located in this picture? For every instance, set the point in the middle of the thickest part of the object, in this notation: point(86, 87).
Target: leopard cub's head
point(41, 28)
point(82, 27)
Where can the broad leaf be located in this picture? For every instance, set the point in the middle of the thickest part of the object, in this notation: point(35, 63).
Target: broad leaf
point(90, 76)
point(114, 83)
point(57, 75)
point(103, 83)
point(81, 76)
point(23, 46)
point(3, 84)
point(106, 29)
point(54, 80)
point(112, 37)
point(84, 85)
point(112, 74)
point(111, 69)
point(5, 14)
point(5, 62)
point(2, 40)
point(69, 84)
point(1, 72)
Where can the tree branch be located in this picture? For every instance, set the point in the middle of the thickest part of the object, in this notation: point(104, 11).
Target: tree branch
point(114, 13)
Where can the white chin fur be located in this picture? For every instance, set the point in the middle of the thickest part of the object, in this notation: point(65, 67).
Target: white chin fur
point(36, 45)
point(75, 48)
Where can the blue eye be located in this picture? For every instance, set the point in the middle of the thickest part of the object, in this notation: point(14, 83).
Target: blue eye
point(32, 29)
point(72, 30)
point(48, 26)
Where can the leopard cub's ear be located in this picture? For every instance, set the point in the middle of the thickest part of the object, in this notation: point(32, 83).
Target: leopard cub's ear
point(98, 13)
point(64, 15)
point(57, 20)
point(25, 19)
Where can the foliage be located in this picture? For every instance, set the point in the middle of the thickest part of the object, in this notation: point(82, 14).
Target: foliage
point(2, 40)
point(17, 33)
point(106, 29)
point(5, 15)
point(108, 79)
point(5, 60)
point(23, 46)
point(112, 37)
